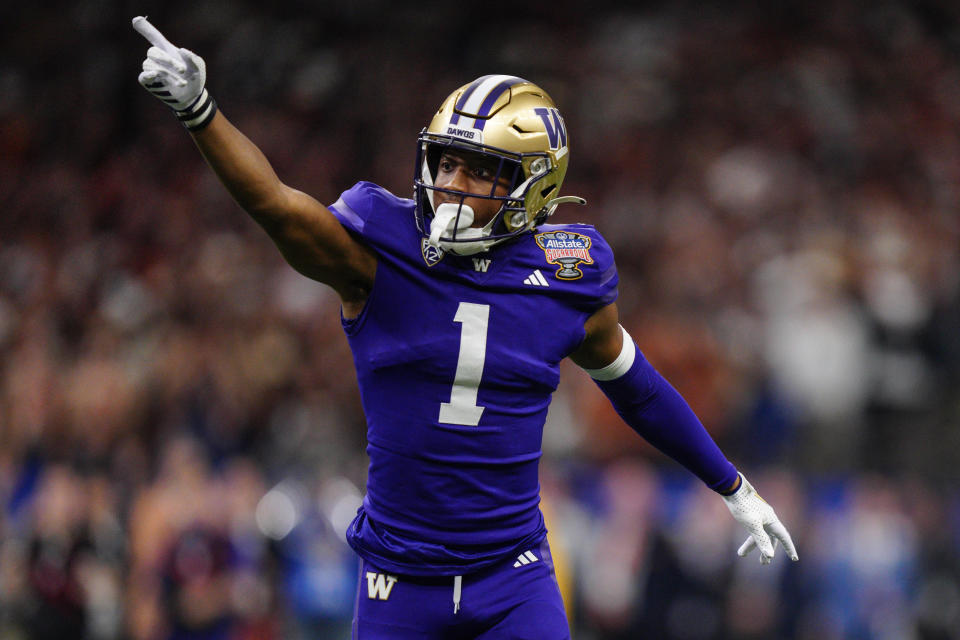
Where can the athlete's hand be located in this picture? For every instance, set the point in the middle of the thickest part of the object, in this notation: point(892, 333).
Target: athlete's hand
point(766, 530)
point(176, 76)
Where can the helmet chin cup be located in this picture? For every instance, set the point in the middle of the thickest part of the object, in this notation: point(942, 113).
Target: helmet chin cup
point(479, 243)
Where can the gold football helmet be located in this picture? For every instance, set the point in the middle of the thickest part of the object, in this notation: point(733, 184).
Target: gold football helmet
point(515, 123)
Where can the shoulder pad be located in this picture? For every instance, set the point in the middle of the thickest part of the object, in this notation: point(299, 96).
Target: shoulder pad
point(579, 256)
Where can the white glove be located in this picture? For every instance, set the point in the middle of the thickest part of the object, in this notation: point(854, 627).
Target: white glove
point(177, 77)
point(766, 530)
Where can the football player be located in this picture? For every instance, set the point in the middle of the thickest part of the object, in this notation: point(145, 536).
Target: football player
point(438, 293)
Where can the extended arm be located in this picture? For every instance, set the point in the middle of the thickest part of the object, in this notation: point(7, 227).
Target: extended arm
point(654, 409)
point(307, 234)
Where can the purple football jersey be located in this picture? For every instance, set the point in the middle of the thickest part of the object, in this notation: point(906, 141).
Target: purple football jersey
point(456, 359)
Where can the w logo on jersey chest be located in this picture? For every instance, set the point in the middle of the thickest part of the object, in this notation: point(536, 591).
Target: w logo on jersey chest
point(481, 264)
point(379, 585)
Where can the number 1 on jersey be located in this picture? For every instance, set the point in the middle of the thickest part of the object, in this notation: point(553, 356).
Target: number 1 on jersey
point(462, 408)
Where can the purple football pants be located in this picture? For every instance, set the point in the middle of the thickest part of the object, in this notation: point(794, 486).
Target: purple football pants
point(517, 599)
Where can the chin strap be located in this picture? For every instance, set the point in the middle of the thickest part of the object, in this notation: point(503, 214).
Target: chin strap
point(551, 205)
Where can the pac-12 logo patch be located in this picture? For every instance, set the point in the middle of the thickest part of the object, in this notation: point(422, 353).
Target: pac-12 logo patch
point(431, 254)
point(566, 249)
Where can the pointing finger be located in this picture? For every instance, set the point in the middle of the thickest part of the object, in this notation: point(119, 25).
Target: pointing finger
point(153, 35)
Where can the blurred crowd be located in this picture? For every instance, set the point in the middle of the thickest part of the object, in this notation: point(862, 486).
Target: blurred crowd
point(181, 438)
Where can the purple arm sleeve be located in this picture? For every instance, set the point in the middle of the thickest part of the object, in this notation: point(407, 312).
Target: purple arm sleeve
point(655, 410)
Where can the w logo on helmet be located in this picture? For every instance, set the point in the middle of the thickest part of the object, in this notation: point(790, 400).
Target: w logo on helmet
point(553, 123)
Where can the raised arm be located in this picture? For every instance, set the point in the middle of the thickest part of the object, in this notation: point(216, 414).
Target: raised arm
point(306, 232)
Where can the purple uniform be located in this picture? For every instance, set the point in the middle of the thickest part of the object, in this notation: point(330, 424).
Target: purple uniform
point(457, 358)
point(517, 598)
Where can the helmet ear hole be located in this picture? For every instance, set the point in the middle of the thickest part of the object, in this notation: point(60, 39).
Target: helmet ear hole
point(550, 189)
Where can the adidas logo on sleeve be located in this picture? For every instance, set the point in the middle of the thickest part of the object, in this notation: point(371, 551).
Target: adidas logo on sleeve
point(536, 279)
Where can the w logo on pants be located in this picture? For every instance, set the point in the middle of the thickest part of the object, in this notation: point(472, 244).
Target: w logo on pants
point(379, 585)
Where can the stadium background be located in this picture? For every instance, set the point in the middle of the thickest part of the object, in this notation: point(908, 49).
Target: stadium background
point(181, 441)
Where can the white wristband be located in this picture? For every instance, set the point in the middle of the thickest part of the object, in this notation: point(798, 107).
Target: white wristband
point(199, 114)
point(621, 364)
